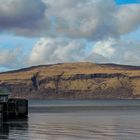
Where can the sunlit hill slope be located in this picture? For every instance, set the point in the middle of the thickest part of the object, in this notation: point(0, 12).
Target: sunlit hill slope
point(74, 81)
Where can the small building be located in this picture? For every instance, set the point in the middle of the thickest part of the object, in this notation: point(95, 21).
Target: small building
point(4, 93)
point(12, 108)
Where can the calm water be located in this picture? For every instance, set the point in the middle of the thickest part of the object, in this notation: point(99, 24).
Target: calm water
point(77, 120)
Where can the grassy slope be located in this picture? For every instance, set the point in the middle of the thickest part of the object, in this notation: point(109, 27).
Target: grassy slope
point(69, 69)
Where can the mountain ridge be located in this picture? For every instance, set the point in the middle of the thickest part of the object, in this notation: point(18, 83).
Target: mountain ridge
point(47, 65)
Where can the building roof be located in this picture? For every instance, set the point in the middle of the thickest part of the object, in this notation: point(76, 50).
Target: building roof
point(4, 91)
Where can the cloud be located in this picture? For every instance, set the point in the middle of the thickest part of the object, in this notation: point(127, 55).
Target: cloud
point(128, 18)
point(62, 27)
point(94, 19)
point(96, 58)
point(118, 51)
point(50, 50)
point(132, 57)
point(14, 11)
point(83, 19)
point(22, 16)
point(105, 48)
point(89, 19)
point(127, 53)
point(11, 58)
point(59, 50)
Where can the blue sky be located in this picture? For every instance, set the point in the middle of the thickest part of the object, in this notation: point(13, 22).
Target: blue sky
point(97, 32)
point(10, 41)
point(127, 1)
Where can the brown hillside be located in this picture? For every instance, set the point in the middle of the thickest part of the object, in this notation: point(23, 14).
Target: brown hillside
point(74, 80)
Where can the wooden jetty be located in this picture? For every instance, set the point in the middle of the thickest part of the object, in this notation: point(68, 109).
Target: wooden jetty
point(12, 108)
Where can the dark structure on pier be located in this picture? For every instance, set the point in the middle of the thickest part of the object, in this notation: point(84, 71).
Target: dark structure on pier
point(12, 108)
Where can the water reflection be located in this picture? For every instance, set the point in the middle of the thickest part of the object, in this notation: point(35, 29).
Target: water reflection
point(96, 125)
point(4, 130)
point(11, 128)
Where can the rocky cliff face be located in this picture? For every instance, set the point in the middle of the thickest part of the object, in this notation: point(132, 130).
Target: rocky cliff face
point(74, 81)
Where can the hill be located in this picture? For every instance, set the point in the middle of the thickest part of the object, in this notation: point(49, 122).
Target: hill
point(74, 81)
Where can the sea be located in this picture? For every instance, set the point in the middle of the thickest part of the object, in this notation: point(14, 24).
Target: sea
point(76, 120)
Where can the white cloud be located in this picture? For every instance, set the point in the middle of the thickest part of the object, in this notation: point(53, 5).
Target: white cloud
point(64, 24)
point(84, 19)
point(11, 58)
point(128, 18)
point(96, 58)
point(57, 50)
point(132, 57)
point(127, 53)
point(93, 19)
point(89, 19)
point(118, 51)
point(105, 48)
point(50, 50)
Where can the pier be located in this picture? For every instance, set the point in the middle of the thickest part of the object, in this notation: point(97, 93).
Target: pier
point(11, 108)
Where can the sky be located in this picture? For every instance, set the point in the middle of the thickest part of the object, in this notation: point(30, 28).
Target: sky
point(39, 32)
